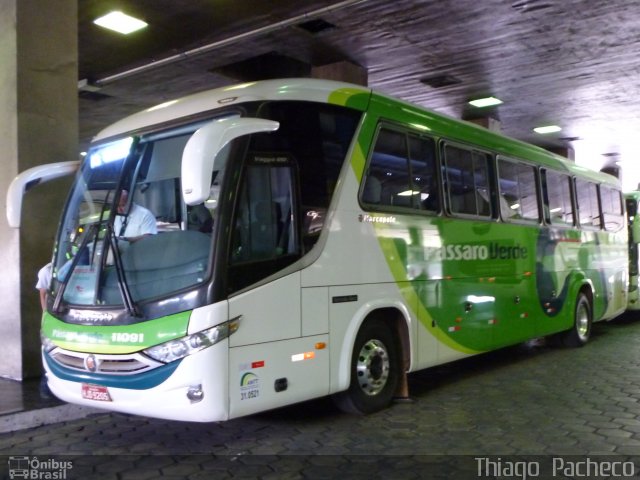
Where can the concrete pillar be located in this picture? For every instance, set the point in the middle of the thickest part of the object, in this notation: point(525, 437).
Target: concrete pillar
point(38, 125)
point(342, 71)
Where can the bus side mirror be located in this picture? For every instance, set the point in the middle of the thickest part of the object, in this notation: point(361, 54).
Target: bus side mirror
point(30, 178)
point(203, 146)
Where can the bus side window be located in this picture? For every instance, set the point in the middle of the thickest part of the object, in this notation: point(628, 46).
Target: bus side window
point(389, 169)
point(558, 191)
point(318, 139)
point(518, 192)
point(467, 182)
point(264, 238)
point(264, 222)
point(612, 213)
point(587, 200)
point(422, 152)
point(402, 172)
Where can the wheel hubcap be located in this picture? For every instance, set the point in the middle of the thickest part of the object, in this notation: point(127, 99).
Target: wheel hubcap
point(582, 321)
point(372, 367)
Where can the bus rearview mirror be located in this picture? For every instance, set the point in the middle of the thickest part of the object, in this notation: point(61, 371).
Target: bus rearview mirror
point(200, 152)
point(32, 177)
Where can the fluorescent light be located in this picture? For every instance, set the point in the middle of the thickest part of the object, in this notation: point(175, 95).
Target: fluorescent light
point(408, 193)
point(120, 22)
point(485, 102)
point(547, 129)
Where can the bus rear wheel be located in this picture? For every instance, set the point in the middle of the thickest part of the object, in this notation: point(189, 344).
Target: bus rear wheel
point(374, 370)
point(579, 334)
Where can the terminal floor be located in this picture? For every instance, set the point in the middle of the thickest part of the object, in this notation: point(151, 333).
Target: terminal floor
point(527, 402)
point(23, 396)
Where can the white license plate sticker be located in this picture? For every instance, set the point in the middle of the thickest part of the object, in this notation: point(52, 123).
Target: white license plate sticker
point(95, 392)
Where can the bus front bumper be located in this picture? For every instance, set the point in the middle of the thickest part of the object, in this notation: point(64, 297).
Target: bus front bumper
point(193, 389)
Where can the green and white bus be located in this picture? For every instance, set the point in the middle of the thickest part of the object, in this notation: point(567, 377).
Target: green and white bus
point(633, 222)
point(315, 238)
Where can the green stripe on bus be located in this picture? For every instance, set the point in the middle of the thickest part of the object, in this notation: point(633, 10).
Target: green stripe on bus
point(115, 339)
point(411, 295)
point(350, 97)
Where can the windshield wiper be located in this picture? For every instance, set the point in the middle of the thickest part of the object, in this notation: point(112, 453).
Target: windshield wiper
point(122, 281)
point(72, 266)
point(125, 292)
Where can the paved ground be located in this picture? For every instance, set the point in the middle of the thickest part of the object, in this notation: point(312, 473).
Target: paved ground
point(520, 404)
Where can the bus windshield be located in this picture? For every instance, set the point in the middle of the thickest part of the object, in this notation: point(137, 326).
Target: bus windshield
point(126, 236)
point(130, 242)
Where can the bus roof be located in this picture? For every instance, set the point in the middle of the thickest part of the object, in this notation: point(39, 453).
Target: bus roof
point(285, 89)
point(478, 136)
point(354, 96)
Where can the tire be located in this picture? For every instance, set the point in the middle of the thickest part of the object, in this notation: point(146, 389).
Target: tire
point(374, 370)
point(580, 332)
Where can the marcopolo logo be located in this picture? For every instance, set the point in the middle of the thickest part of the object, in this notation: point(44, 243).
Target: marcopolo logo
point(35, 468)
point(491, 251)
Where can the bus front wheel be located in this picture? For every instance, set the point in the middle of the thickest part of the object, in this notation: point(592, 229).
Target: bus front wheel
point(374, 370)
point(579, 334)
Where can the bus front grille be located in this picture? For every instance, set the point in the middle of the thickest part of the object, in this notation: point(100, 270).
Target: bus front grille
point(128, 364)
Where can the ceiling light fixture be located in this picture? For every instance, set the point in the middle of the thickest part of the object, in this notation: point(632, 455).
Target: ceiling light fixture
point(485, 102)
point(547, 129)
point(120, 22)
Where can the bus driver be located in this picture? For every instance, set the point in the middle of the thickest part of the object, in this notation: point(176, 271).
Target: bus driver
point(138, 223)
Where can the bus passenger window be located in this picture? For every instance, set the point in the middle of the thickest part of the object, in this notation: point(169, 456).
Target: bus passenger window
point(588, 209)
point(422, 153)
point(559, 198)
point(402, 172)
point(481, 176)
point(467, 182)
point(611, 201)
point(518, 192)
point(389, 169)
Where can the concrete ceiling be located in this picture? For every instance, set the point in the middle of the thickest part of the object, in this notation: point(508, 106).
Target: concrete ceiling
point(574, 63)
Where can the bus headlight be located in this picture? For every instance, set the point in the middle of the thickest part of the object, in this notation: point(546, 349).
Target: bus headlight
point(47, 344)
point(181, 347)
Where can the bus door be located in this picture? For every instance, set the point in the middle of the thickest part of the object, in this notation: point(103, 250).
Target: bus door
point(270, 362)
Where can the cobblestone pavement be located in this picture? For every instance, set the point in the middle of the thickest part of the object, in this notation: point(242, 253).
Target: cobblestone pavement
point(526, 402)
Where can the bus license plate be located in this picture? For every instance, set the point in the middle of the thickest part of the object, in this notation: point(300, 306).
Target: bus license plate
point(95, 392)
